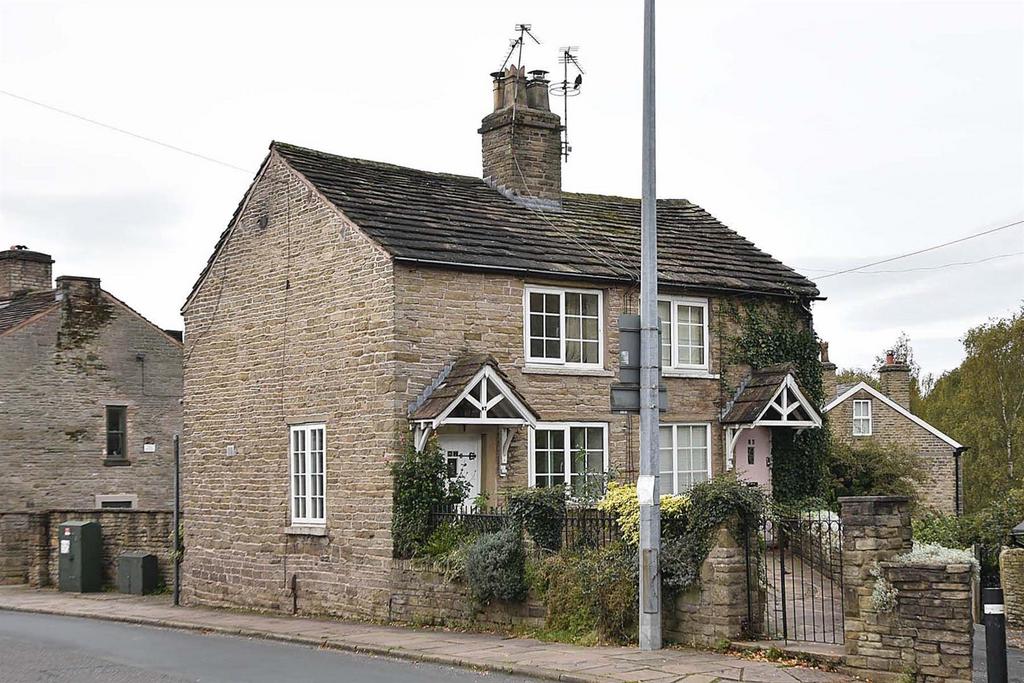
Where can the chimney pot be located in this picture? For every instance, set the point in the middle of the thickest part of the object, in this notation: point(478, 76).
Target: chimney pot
point(522, 145)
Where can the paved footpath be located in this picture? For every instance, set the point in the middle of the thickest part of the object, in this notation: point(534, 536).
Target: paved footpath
point(521, 656)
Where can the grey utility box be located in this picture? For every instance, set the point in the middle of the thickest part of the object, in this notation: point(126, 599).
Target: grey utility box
point(136, 573)
point(81, 557)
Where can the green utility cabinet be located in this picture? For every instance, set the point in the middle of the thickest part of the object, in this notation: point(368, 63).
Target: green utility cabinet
point(136, 573)
point(81, 557)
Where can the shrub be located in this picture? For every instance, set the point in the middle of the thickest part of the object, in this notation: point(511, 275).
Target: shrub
point(420, 484)
point(933, 553)
point(446, 550)
point(946, 530)
point(541, 511)
point(622, 502)
point(495, 567)
point(591, 595)
point(712, 504)
point(872, 469)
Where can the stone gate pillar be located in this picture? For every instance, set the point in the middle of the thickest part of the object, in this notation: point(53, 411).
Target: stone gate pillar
point(875, 529)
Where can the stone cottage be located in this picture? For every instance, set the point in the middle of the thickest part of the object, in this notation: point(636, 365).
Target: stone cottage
point(352, 305)
point(90, 394)
point(860, 412)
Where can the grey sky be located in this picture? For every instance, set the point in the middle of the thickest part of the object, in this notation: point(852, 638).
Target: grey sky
point(829, 133)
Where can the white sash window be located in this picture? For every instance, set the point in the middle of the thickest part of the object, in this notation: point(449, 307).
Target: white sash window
point(308, 460)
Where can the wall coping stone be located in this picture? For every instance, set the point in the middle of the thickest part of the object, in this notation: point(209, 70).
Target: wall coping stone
point(873, 499)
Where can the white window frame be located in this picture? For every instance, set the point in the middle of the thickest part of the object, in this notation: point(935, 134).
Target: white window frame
point(674, 488)
point(561, 292)
point(674, 302)
point(566, 427)
point(308, 475)
point(863, 418)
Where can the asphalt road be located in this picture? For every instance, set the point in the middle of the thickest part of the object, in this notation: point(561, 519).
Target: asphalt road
point(38, 647)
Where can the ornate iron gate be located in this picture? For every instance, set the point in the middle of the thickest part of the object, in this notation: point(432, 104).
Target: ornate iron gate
point(795, 575)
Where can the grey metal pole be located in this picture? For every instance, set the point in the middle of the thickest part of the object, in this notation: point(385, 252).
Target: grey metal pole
point(177, 521)
point(647, 485)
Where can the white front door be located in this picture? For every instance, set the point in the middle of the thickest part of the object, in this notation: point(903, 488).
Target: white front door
point(462, 455)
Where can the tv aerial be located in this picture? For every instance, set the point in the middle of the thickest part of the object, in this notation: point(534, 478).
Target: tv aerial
point(566, 89)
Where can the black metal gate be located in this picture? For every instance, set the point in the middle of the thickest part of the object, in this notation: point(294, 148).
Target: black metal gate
point(795, 575)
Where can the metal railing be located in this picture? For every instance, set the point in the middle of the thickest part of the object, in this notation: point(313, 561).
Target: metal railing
point(581, 527)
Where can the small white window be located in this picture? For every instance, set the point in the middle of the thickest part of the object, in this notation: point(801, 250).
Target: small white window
point(564, 326)
point(684, 333)
point(307, 458)
point(862, 418)
point(685, 456)
point(574, 453)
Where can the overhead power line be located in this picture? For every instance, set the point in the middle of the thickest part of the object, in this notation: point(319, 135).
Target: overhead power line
point(129, 133)
point(922, 251)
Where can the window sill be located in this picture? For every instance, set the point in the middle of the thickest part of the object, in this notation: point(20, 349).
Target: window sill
point(305, 530)
point(691, 374)
point(116, 462)
point(566, 370)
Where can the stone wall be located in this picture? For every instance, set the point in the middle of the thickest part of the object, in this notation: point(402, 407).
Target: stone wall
point(57, 375)
point(421, 596)
point(717, 608)
point(928, 633)
point(29, 542)
point(935, 456)
point(293, 324)
point(122, 531)
point(1011, 574)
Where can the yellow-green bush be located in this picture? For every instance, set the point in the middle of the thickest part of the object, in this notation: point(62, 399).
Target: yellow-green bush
point(622, 502)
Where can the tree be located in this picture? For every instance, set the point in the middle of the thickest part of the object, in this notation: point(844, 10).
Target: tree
point(981, 404)
point(848, 376)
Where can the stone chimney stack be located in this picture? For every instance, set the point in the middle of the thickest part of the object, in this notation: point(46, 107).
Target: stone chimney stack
point(24, 271)
point(828, 373)
point(894, 377)
point(522, 143)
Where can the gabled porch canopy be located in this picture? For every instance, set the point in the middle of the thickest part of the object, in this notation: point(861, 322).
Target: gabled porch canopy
point(770, 397)
point(472, 391)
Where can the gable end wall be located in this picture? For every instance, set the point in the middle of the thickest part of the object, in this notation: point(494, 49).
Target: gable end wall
point(935, 456)
point(293, 324)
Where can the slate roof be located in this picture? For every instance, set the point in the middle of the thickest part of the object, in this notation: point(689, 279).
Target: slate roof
point(461, 221)
point(757, 392)
point(15, 311)
point(453, 382)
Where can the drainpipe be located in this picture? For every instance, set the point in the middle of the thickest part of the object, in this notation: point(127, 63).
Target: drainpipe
point(957, 452)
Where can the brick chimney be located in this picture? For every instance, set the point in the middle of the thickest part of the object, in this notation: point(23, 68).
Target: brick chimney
point(24, 271)
point(522, 145)
point(828, 373)
point(894, 376)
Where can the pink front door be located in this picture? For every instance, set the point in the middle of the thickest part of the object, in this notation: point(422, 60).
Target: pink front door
point(753, 456)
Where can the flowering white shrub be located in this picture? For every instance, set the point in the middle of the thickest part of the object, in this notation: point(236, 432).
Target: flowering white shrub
point(933, 553)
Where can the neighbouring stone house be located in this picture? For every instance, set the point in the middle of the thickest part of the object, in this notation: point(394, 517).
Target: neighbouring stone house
point(351, 305)
point(90, 394)
point(859, 412)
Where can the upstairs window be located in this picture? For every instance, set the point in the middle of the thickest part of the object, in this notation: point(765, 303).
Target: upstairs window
point(117, 428)
point(684, 333)
point(564, 326)
point(862, 418)
point(307, 457)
